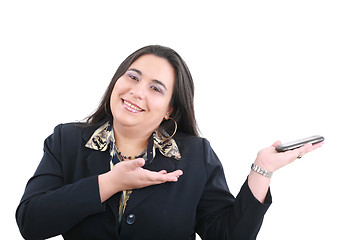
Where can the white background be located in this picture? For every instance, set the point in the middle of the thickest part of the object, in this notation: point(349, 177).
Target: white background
point(263, 71)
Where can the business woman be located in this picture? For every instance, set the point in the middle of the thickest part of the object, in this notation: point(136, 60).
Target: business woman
point(137, 169)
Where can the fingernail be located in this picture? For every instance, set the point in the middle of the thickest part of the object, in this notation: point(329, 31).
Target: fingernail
point(141, 161)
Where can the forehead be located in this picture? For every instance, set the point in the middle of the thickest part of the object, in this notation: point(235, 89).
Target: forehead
point(154, 67)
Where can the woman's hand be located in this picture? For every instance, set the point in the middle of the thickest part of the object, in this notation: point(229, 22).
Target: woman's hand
point(271, 160)
point(129, 174)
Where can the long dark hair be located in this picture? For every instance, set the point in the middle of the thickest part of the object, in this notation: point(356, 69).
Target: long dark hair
point(182, 99)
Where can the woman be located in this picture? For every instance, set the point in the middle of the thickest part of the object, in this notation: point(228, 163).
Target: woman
point(137, 168)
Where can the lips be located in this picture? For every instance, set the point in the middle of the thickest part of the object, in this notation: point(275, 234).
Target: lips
point(132, 107)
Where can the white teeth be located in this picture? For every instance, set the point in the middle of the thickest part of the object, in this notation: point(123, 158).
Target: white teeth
point(132, 106)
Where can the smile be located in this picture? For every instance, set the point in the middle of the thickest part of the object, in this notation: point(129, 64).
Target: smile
point(131, 106)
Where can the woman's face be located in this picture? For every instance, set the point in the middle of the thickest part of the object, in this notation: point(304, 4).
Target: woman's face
point(141, 97)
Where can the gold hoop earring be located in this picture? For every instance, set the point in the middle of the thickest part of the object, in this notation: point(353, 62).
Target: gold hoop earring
point(175, 129)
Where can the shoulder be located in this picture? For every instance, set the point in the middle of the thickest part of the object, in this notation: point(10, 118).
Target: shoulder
point(187, 140)
point(71, 133)
point(68, 139)
point(197, 148)
point(74, 128)
point(190, 145)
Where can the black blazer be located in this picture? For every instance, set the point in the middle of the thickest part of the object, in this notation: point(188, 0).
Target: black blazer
point(63, 196)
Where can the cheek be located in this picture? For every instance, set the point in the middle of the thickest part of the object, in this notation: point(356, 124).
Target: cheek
point(120, 88)
point(160, 106)
point(115, 93)
point(119, 85)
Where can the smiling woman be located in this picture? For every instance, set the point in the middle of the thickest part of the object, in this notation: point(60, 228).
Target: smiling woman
point(123, 174)
point(182, 97)
point(140, 100)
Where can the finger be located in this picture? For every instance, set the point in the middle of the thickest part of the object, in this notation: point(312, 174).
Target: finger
point(160, 177)
point(311, 147)
point(292, 155)
point(275, 144)
point(140, 161)
point(307, 148)
point(304, 149)
point(317, 145)
point(171, 177)
point(174, 176)
point(177, 173)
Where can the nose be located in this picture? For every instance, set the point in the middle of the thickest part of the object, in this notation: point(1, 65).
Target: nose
point(138, 91)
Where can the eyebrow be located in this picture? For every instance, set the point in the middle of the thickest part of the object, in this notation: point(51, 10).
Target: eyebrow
point(154, 80)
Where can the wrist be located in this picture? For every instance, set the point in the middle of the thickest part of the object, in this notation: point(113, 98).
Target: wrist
point(107, 188)
point(264, 165)
point(258, 169)
point(259, 185)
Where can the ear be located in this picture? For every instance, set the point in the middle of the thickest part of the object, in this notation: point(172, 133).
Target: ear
point(169, 112)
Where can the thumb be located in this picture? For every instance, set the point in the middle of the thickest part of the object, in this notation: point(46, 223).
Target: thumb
point(275, 144)
point(133, 164)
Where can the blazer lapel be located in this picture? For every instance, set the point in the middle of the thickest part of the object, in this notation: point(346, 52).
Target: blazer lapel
point(98, 162)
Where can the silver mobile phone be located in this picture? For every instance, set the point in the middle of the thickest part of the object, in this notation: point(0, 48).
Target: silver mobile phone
point(299, 143)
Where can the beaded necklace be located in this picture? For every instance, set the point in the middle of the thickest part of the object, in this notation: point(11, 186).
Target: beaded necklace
point(122, 157)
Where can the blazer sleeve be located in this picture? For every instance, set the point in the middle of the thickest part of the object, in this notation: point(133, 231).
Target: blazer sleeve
point(219, 214)
point(48, 207)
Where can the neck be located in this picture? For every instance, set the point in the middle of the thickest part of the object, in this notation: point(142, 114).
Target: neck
point(130, 143)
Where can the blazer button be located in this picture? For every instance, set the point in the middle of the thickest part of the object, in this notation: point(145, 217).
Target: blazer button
point(130, 219)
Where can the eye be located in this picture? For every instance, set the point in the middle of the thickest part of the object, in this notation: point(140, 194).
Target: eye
point(158, 88)
point(155, 88)
point(133, 77)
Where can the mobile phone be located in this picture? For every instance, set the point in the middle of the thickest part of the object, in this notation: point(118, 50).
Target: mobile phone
point(299, 143)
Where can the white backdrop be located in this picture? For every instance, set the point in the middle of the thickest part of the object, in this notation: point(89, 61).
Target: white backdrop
point(263, 71)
